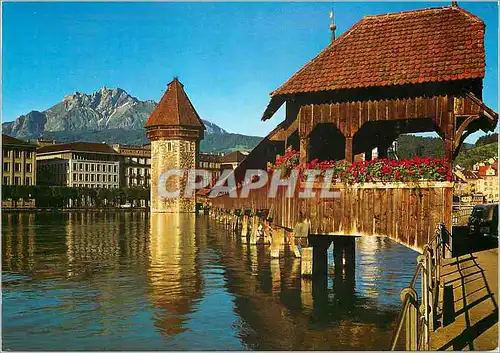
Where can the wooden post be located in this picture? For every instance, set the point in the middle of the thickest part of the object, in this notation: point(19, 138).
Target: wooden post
point(348, 149)
point(244, 226)
point(304, 150)
point(254, 232)
point(277, 242)
point(292, 245)
point(306, 265)
point(267, 232)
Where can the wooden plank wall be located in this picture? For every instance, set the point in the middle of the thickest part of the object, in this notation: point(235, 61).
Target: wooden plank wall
point(405, 213)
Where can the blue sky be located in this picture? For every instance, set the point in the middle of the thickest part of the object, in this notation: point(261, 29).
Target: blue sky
point(229, 56)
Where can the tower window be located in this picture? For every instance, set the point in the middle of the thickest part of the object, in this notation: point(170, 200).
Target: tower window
point(169, 146)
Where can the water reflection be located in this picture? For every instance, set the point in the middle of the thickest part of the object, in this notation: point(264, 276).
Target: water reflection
point(173, 273)
point(134, 281)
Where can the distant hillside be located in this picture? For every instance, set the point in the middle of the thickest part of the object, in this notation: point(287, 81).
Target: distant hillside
point(480, 153)
point(111, 116)
point(409, 146)
point(213, 142)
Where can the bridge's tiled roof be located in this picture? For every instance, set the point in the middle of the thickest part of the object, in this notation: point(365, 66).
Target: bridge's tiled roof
point(429, 45)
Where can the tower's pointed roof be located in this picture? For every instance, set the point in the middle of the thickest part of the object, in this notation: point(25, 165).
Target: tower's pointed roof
point(174, 109)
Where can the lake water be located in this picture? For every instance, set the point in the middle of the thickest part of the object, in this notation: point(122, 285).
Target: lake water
point(129, 281)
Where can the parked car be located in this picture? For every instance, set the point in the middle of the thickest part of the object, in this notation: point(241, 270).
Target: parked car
point(484, 220)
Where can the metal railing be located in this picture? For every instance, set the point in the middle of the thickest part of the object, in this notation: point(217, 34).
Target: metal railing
point(460, 214)
point(419, 313)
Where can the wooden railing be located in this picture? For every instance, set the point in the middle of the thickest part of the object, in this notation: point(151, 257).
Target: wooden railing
point(419, 312)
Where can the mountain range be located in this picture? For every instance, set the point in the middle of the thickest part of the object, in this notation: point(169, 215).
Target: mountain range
point(111, 116)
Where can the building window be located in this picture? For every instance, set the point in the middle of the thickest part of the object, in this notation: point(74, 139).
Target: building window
point(74, 177)
point(92, 167)
point(86, 167)
point(29, 154)
point(86, 177)
point(98, 177)
point(80, 165)
point(17, 168)
point(115, 178)
point(17, 181)
point(114, 168)
point(6, 166)
point(109, 178)
point(6, 153)
point(169, 146)
point(28, 168)
point(28, 181)
point(98, 167)
point(92, 177)
point(6, 180)
point(18, 154)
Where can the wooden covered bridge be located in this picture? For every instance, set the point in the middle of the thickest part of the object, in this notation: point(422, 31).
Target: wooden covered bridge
point(392, 74)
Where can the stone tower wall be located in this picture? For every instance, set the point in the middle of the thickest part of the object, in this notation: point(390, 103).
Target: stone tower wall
point(180, 155)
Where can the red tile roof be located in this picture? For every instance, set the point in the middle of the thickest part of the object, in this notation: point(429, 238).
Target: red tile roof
point(428, 45)
point(233, 157)
point(78, 147)
point(174, 109)
point(9, 140)
point(469, 174)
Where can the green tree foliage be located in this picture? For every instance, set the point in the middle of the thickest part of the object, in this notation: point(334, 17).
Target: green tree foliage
point(487, 139)
point(409, 146)
point(474, 155)
point(63, 197)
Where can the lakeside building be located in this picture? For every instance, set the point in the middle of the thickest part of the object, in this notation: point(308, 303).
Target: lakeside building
point(212, 163)
point(135, 165)
point(478, 185)
point(233, 159)
point(79, 164)
point(18, 162)
point(487, 183)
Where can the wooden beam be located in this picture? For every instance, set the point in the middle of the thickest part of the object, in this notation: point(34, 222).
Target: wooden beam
point(348, 149)
point(304, 150)
point(461, 129)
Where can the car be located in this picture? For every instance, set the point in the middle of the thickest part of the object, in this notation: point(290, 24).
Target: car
point(484, 220)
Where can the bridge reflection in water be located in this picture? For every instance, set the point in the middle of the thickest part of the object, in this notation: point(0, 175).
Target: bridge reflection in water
point(134, 281)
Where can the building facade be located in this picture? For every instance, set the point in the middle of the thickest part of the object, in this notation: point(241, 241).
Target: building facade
point(135, 165)
point(487, 183)
point(18, 162)
point(79, 164)
point(212, 163)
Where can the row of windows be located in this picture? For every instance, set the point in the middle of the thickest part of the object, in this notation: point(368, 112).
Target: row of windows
point(17, 180)
point(28, 167)
point(93, 167)
point(138, 171)
point(17, 154)
point(187, 146)
point(137, 160)
point(210, 165)
point(95, 177)
point(104, 186)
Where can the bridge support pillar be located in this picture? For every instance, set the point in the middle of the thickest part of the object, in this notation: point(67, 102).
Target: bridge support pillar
point(315, 258)
point(244, 227)
point(254, 232)
point(277, 242)
point(344, 255)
